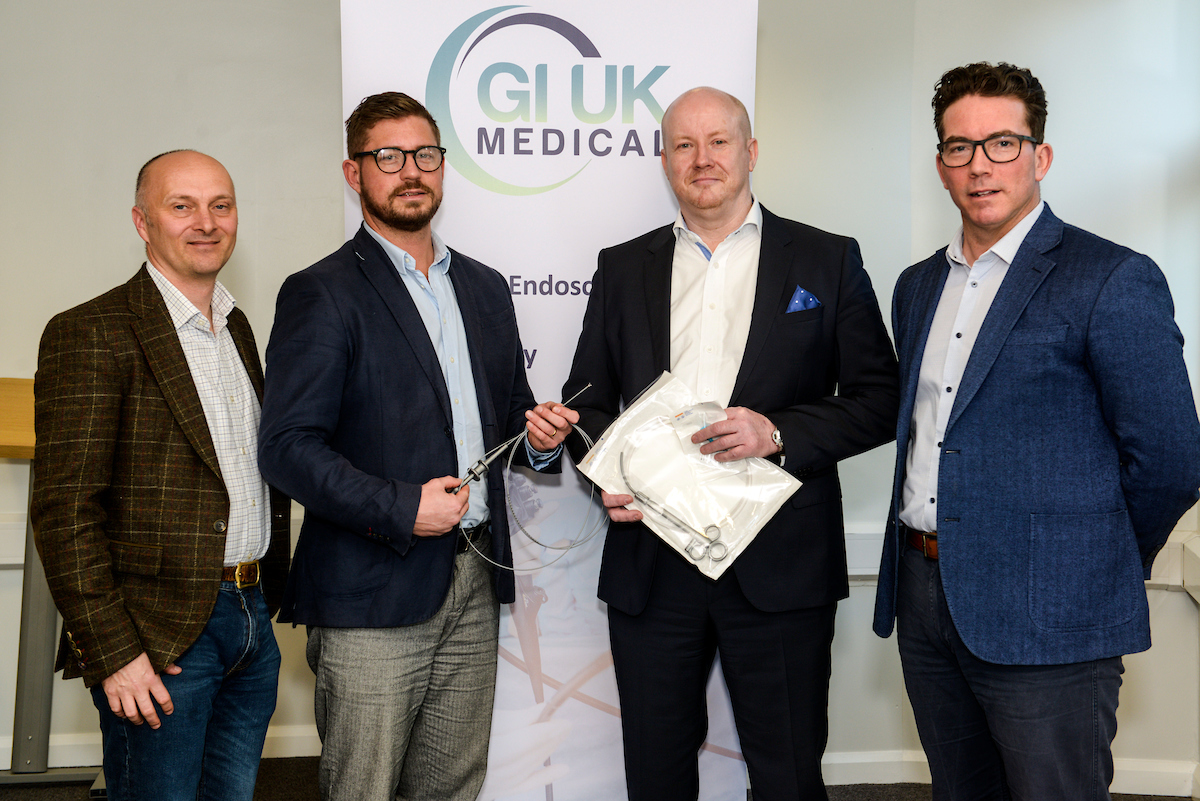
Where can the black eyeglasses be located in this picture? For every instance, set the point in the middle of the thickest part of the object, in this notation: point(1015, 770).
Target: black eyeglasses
point(391, 159)
point(999, 149)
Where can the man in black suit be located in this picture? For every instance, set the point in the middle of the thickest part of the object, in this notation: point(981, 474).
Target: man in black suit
point(778, 322)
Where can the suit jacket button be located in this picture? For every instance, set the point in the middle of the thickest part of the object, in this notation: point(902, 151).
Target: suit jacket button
point(219, 526)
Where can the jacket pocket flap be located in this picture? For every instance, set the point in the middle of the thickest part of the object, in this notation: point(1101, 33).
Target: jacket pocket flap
point(140, 560)
point(1038, 336)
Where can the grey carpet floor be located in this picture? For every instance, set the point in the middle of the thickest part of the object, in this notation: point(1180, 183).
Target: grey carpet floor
point(296, 780)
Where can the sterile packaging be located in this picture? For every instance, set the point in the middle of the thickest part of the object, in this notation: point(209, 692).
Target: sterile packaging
point(709, 511)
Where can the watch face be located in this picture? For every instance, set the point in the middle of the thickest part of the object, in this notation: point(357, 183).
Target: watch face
point(777, 437)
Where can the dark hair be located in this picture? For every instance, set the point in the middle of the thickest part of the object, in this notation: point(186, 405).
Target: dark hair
point(380, 107)
point(138, 200)
point(985, 80)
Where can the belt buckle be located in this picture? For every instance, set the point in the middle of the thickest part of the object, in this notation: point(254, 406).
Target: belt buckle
point(250, 568)
point(925, 540)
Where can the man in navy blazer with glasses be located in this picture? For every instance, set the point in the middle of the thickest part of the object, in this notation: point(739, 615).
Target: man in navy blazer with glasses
point(394, 365)
point(1047, 445)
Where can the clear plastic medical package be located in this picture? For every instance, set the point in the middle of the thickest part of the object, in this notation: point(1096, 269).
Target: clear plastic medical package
point(709, 511)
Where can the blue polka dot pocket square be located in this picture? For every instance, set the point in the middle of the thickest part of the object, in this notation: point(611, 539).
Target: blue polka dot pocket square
point(802, 299)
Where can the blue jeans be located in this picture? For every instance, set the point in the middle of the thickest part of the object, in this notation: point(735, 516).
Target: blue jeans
point(1025, 732)
point(210, 747)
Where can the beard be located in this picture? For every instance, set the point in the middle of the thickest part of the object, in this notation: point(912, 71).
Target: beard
point(405, 218)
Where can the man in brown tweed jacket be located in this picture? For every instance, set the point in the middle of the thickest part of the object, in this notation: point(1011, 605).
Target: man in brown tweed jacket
point(162, 544)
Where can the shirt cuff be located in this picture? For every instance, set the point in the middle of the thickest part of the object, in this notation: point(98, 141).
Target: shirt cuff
point(539, 460)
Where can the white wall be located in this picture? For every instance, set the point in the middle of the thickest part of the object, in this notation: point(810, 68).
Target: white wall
point(89, 91)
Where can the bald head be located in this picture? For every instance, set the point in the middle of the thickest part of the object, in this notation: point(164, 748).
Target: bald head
point(708, 155)
point(149, 168)
point(187, 214)
point(707, 95)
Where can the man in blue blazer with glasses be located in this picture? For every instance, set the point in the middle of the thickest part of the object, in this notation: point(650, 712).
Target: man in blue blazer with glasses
point(1047, 445)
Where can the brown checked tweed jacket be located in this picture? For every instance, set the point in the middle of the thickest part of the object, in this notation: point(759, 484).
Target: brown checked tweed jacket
point(129, 509)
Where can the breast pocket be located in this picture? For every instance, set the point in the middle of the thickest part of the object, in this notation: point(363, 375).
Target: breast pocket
point(798, 317)
point(1047, 335)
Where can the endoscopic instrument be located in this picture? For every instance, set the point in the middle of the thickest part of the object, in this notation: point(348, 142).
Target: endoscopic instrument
point(704, 544)
point(479, 470)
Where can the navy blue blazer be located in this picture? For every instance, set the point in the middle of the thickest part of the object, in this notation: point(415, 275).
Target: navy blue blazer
point(825, 376)
point(1071, 450)
point(356, 417)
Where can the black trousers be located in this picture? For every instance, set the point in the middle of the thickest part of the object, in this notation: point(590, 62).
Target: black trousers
point(776, 665)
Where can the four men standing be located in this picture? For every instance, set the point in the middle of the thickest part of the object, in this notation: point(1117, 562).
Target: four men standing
point(1048, 443)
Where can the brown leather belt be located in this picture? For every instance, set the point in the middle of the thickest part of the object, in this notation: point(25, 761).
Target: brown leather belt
point(467, 536)
point(923, 541)
point(244, 574)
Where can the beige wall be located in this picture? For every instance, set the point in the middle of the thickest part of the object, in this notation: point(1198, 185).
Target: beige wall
point(88, 91)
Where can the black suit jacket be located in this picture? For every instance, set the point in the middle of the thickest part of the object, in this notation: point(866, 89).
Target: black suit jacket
point(356, 417)
point(826, 377)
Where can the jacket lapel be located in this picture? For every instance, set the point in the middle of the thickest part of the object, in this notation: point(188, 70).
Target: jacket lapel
point(658, 298)
point(468, 311)
point(774, 264)
point(1027, 272)
point(912, 324)
point(378, 269)
point(160, 343)
point(243, 339)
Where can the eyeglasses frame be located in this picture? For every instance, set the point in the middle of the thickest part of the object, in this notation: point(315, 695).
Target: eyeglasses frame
point(975, 145)
point(406, 153)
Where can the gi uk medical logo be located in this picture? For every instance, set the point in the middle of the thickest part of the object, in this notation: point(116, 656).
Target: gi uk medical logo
point(526, 102)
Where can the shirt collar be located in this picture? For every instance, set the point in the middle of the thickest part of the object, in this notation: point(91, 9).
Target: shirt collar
point(404, 262)
point(183, 312)
point(753, 218)
point(1006, 249)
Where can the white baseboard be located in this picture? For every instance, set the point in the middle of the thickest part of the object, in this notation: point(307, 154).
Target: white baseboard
point(1155, 777)
point(292, 741)
point(875, 767)
point(1161, 777)
point(66, 750)
point(82, 750)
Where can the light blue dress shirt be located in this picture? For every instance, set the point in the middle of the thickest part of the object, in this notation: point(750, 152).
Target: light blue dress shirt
point(437, 304)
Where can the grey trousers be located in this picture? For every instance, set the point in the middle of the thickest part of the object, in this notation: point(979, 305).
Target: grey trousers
point(408, 710)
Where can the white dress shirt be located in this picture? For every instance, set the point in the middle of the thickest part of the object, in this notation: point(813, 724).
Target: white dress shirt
point(966, 298)
point(712, 302)
point(232, 411)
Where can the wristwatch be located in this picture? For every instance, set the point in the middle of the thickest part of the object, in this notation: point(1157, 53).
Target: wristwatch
point(777, 438)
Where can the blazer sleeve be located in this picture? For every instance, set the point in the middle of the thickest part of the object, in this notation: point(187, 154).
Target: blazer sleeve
point(308, 358)
point(862, 414)
point(1135, 353)
point(77, 399)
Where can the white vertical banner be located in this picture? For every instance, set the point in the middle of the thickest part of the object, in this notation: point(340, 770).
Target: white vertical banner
point(550, 117)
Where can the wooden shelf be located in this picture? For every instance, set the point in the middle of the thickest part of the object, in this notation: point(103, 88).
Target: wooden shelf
point(16, 418)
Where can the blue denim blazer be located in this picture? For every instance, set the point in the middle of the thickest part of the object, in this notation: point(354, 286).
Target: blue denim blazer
point(1071, 451)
